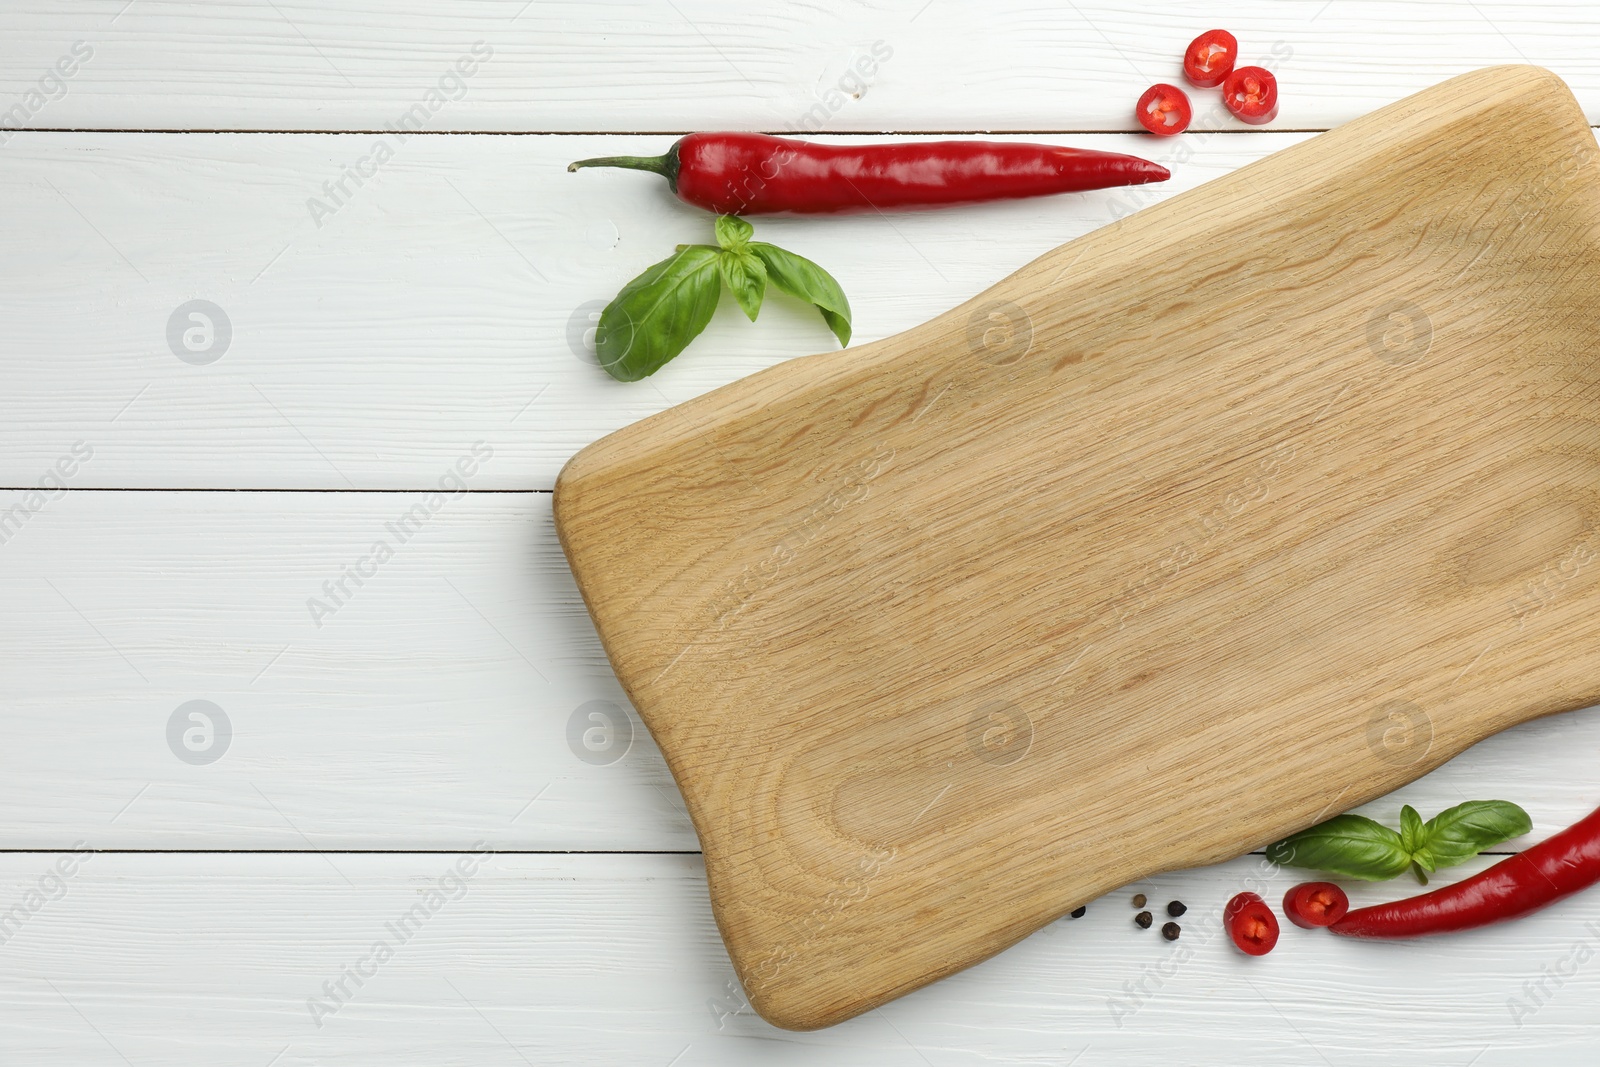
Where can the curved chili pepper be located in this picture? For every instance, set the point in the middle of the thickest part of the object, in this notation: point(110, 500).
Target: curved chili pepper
point(1543, 874)
point(754, 174)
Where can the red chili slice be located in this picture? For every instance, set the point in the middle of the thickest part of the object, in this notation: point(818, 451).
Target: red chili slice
point(1251, 93)
point(1164, 110)
point(1251, 924)
point(1313, 904)
point(1210, 57)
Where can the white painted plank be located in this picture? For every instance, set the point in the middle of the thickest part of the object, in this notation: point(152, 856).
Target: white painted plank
point(428, 711)
point(444, 302)
point(575, 66)
point(431, 708)
point(606, 960)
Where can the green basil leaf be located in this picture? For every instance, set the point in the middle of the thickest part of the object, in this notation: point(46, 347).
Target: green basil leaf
point(1457, 834)
point(656, 315)
point(746, 276)
point(1410, 828)
point(733, 233)
point(800, 277)
point(1351, 845)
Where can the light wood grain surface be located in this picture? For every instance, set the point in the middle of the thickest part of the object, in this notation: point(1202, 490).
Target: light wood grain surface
point(371, 353)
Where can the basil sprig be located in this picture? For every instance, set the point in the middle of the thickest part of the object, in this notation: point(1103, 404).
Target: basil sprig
point(1357, 847)
point(656, 315)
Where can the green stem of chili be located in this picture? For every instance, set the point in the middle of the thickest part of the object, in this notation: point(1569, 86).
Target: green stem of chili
point(665, 165)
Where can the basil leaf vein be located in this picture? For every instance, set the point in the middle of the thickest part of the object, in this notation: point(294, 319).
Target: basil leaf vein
point(1459, 833)
point(746, 278)
point(1410, 828)
point(1351, 845)
point(656, 315)
point(733, 233)
point(798, 276)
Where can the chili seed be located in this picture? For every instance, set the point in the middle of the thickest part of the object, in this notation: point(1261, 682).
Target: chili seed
point(1138, 900)
point(1177, 908)
point(1143, 920)
point(1078, 914)
point(1171, 931)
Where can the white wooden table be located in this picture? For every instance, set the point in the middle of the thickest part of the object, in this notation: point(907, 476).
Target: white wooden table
point(209, 883)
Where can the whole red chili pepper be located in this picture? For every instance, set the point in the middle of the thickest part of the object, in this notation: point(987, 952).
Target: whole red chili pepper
point(754, 174)
point(1541, 875)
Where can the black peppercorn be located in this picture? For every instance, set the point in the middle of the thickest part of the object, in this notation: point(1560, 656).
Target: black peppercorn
point(1143, 919)
point(1176, 908)
point(1078, 913)
point(1171, 931)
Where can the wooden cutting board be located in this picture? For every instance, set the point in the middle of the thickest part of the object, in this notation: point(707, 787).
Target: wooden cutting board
point(1208, 525)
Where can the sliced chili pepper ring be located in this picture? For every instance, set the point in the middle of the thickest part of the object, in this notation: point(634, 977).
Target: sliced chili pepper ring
point(1164, 110)
point(1210, 58)
point(1251, 924)
point(1251, 93)
point(1310, 905)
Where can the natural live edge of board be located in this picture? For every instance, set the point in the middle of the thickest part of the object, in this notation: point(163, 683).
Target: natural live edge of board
point(944, 636)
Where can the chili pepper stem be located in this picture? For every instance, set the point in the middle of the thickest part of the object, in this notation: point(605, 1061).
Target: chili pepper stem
point(662, 165)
